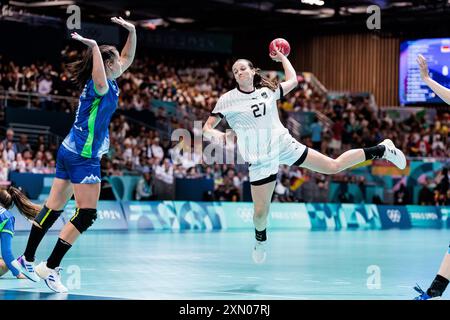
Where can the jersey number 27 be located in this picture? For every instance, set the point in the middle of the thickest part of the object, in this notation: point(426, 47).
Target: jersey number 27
point(256, 109)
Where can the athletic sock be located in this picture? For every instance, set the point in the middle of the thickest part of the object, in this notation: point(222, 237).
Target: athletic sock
point(260, 235)
point(438, 286)
point(373, 153)
point(58, 253)
point(34, 239)
point(46, 218)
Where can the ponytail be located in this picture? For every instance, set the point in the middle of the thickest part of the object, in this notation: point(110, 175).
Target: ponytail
point(81, 70)
point(13, 196)
point(261, 81)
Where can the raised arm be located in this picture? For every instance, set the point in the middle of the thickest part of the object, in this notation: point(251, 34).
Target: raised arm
point(129, 50)
point(291, 76)
point(441, 91)
point(98, 67)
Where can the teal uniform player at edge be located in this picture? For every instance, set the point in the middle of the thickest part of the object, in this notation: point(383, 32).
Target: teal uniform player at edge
point(10, 197)
point(6, 235)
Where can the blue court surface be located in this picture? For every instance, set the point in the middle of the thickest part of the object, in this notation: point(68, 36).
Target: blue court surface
point(301, 265)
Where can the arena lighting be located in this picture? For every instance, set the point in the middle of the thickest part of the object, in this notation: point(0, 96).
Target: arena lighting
point(326, 13)
point(181, 20)
point(401, 4)
point(357, 9)
point(152, 24)
point(322, 13)
point(300, 12)
point(56, 3)
point(314, 2)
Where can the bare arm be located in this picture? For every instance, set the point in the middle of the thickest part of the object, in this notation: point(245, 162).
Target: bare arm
point(129, 50)
point(291, 76)
point(98, 67)
point(208, 129)
point(98, 72)
point(441, 91)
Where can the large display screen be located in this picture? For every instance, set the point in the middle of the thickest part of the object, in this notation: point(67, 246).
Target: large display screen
point(437, 52)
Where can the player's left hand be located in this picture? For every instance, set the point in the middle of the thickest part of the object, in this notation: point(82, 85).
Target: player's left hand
point(89, 42)
point(123, 23)
point(423, 66)
point(21, 276)
point(230, 134)
point(276, 56)
point(229, 139)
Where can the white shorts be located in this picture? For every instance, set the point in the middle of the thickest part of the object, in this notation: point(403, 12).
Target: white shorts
point(291, 152)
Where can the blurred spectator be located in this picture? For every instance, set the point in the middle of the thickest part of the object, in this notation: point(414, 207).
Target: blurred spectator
point(164, 183)
point(3, 153)
point(322, 193)
point(10, 138)
point(157, 150)
point(345, 196)
point(426, 195)
point(282, 192)
point(145, 187)
point(3, 172)
point(9, 151)
point(23, 144)
point(442, 188)
point(401, 196)
point(336, 140)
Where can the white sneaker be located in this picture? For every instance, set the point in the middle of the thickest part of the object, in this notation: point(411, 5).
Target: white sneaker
point(26, 268)
point(259, 252)
point(52, 277)
point(394, 155)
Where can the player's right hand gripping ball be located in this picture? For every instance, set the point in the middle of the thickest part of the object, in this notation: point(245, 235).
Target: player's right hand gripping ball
point(280, 44)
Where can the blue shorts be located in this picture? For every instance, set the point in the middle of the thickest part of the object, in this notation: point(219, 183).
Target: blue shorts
point(77, 169)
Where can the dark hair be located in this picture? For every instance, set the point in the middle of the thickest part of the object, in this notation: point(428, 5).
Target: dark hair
point(13, 196)
point(81, 70)
point(259, 80)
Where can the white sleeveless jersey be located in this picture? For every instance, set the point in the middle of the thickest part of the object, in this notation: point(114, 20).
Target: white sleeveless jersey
point(254, 117)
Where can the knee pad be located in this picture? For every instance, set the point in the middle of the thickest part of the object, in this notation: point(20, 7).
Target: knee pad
point(47, 217)
point(83, 219)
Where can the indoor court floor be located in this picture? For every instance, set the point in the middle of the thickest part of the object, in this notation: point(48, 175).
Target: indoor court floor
point(301, 265)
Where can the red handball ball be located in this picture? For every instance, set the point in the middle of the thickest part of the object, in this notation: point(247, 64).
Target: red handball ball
point(280, 44)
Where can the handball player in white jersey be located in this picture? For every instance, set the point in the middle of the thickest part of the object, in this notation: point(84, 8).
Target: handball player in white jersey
point(251, 111)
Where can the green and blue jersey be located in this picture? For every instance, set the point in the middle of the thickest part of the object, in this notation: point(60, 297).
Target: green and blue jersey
point(89, 135)
point(7, 221)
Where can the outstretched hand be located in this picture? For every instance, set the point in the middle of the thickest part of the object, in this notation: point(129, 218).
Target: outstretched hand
point(120, 21)
point(423, 65)
point(89, 42)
